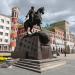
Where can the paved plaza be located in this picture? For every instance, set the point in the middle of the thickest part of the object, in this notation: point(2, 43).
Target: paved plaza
point(68, 69)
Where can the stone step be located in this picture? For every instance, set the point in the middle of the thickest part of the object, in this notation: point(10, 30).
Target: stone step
point(42, 67)
point(30, 60)
point(28, 65)
point(52, 65)
point(35, 64)
point(41, 64)
point(28, 68)
point(40, 61)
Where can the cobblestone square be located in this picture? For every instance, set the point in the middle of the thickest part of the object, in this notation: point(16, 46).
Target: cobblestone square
point(68, 69)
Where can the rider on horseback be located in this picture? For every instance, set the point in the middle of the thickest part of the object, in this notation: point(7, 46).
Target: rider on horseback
point(31, 14)
point(34, 19)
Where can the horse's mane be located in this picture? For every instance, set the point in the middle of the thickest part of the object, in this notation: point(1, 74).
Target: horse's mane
point(40, 9)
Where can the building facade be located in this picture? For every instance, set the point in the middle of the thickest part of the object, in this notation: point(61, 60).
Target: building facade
point(63, 36)
point(5, 29)
point(59, 39)
point(52, 40)
point(21, 31)
point(71, 42)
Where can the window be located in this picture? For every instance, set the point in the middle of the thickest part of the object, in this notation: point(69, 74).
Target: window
point(7, 22)
point(14, 14)
point(6, 40)
point(5, 47)
point(1, 27)
point(6, 34)
point(0, 47)
point(2, 20)
point(13, 38)
point(7, 28)
point(1, 33)
point(0, 40)
point(53, 41)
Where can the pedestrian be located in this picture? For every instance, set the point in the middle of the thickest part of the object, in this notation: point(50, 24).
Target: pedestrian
point(65, 53)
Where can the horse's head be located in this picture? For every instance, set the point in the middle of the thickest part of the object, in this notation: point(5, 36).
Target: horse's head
point(41, 10)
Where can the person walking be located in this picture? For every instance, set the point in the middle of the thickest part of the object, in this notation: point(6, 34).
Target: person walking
point(65, 53)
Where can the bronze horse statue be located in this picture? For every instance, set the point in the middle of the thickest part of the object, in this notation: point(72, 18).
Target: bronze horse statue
point(36, 20)
point(43, 37)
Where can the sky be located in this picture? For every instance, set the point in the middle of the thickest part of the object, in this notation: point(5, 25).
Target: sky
point(55, 10)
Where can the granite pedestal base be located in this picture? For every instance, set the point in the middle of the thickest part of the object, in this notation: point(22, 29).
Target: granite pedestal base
point(33, 47)
point(35, 53)
point(39, 65)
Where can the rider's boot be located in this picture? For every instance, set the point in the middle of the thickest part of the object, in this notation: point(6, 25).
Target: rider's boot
point(29, 33)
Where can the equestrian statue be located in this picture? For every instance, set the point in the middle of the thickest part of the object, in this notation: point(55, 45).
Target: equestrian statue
point(35, 18)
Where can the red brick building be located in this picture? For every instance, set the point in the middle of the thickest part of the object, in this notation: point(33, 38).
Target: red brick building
point(21, 31)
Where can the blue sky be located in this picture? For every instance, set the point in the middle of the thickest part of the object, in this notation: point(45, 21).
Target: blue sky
point(55, 10)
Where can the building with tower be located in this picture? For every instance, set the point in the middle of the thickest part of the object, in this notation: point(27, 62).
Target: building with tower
point(14, 20)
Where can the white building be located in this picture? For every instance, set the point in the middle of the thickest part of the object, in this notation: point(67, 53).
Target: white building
point(63, 38)
point(71, 42)
point(58, 38)
point(5, 29)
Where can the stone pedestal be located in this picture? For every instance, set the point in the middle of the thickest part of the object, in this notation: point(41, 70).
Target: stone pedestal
point(35, 54)
point(39, 65)
point(30, 47)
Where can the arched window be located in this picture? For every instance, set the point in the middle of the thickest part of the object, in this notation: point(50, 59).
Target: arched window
point(14, 14)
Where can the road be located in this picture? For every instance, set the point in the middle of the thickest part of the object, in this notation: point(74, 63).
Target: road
point(68, 69)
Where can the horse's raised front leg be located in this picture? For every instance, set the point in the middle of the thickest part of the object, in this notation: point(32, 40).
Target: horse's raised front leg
point(28, 31)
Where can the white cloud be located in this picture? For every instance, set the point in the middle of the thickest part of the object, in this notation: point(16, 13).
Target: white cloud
point(53, 1)
point(64, 12)
point(50, 16)
point(4, 7)
point(71, 20)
